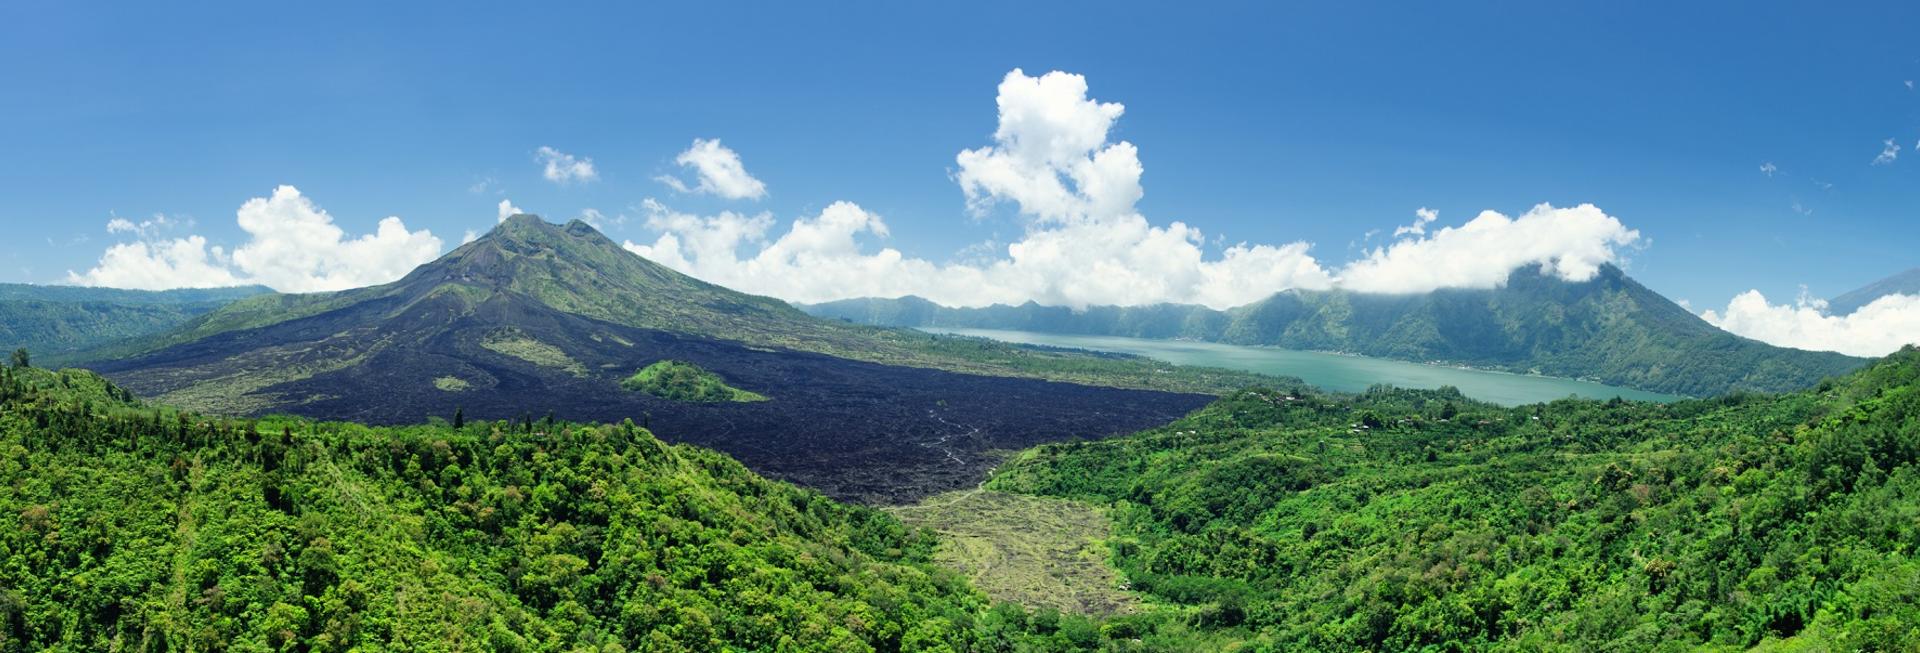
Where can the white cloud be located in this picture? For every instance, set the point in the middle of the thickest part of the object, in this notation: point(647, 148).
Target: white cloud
point(148, 228)
point(822, 258)
point(1889, 152)
point(505, 210)
point(1421, 218)
point(1877, 329)
point(1571, 243)
point(594, 218)
point(562, 168)
point(1769, 168)
point(172, 263)
point(1051, 154)
point(719, 170)
point(1084, 241)
point(292, 246)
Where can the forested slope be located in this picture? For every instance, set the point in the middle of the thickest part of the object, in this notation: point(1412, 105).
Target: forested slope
point(1419, 520)
point(127, 527)
point(57, 321)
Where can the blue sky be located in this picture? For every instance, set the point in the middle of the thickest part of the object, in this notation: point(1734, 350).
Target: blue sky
point(1255, 123)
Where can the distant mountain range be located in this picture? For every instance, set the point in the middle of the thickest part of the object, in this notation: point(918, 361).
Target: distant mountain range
point(1904, 283)
point(1609, 329)
point(536, 318)
point(57, 321)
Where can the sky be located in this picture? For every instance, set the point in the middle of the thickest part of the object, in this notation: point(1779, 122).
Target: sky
point(1745, 158)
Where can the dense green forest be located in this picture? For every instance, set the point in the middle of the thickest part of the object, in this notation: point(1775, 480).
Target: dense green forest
point(1418, 520)
point(131, 527)
point(1610, 329)
point(1270, 520)
point(681, 381)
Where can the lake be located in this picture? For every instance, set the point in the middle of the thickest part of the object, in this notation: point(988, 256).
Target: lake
point(1337, 372)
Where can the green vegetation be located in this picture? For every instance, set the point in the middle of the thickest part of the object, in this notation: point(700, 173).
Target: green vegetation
point(58, 321)
point(680, 381)
point(129, 527)
point(1419, 520)
point(21, 358)
point(515, 343)
point(451, 384)
point(1033, 551)
point(1271, 520)
point(1610, 329)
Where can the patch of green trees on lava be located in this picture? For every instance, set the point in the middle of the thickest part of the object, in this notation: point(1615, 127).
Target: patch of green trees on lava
point(682, 381)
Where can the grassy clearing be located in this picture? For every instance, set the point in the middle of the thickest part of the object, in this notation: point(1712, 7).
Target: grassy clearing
point(1034, 551)
point(451, 384)
point(515, 343)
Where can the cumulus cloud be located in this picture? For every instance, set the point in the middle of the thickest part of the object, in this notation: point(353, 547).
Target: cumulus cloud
point(1889, 152)
point(1571, 243)
point(148, 228)
point(505, 210)
point(718, 171)
point(1421, 218)
point(161, 264)
point(1877, 329)
point(1769, 168)
point(1051, 154)
point(1084, 243)
point(292, 246)
point(825, 257)
point(562, 168)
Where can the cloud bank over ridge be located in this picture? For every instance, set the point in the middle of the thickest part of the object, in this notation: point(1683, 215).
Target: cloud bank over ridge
point(292, 246)
point(1053, 161)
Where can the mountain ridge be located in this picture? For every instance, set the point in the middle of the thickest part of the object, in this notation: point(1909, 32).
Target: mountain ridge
point(1907, 283)
point(58, 322)
point(536, 318)
point(1609, 329)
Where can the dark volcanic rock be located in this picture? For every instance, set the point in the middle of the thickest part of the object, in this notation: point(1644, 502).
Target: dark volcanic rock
point(854, 430)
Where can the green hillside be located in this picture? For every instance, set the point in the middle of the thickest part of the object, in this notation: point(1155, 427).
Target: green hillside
point(127, 527)
point(57, 321)
point(1610, 329)
point(1418, 520)
point(1395, 520)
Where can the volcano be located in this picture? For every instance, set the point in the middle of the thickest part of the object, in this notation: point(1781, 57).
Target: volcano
point(536, 319)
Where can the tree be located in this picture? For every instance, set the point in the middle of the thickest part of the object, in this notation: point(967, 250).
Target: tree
point(459, 417)
point(20, 358)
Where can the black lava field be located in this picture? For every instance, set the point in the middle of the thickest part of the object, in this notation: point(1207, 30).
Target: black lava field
point(854, 430)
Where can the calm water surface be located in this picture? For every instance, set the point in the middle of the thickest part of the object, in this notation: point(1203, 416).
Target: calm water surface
point(1335, 372)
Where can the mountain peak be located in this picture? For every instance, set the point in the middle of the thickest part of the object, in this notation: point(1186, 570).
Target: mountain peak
point(522, 220)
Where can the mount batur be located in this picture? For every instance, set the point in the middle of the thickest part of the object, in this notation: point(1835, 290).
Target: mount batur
point(535, 319)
